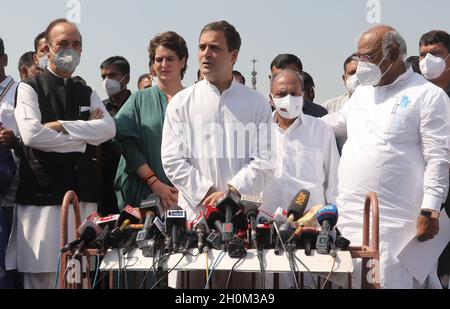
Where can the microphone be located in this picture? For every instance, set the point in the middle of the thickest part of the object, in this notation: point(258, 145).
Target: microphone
point(152, 205)
point(156, 240)
point(295, 212)
point(130, 243)
point(118, 233)
point(327, 218)
point(279, 216)
point(341, 242)
point(251, 206)
point(89, 231)
point(214, 218)
point(310, 218)
point(131, 214)
point(308, 237)
point(191, 237)
point(146, 232)
point(228, 204)
point(71, 246)
point(176, 224)
point(201, 229)
point(109, 221)
point(264, 236)
point(103, 241)
point(214, 240)
point(128, 216)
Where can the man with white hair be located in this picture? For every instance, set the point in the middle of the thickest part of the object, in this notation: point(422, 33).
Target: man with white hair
point(397, 125)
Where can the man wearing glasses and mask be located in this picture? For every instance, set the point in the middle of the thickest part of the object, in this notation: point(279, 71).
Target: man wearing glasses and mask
point(397, 125)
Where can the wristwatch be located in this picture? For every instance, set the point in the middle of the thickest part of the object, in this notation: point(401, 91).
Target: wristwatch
point(430, 214)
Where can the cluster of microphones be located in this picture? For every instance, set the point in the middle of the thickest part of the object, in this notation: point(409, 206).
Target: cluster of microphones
point(233, 224)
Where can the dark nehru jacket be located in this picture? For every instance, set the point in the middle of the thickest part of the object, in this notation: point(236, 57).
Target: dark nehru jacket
point(45, 177)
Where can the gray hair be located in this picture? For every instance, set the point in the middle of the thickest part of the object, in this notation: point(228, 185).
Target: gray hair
point(298, 75)
point(393, 38)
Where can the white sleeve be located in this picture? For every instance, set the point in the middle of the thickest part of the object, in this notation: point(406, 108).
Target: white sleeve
point(94, 132)
point(254, 176)
point(175, 158)
point(435, 135)
point(331, 165)
point(338, 120)
point(33, 133)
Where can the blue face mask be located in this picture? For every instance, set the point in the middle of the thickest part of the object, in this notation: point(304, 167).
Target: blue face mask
point(67, 59)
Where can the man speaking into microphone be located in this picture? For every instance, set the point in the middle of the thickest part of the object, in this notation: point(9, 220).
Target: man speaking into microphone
point(215, 132)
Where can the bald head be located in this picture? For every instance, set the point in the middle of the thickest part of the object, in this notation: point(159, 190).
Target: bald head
point(287, 82)
point(373, 38)
point(384, 47)
point(382, 38)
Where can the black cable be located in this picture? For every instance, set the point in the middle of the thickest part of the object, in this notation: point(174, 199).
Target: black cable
point(119, 270)
point(288, 252)
point(333, 254)
point(167, 274)
point(106, 271)
point(153, 266)
point(123, 269)
point(292, 266)
point(307, 270)
point(233, 268)
point(173, 268)
point(262, 268)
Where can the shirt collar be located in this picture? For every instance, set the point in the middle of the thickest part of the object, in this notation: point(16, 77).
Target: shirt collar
point(214, 88)
point(296, 124)
point(405, 76)
point(53, 73)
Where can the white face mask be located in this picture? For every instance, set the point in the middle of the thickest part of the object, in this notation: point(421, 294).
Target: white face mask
point(112, 87)
point(42, 62)
point(289, 107)
point(432, 67)
point(351, 83)
point(369, 74)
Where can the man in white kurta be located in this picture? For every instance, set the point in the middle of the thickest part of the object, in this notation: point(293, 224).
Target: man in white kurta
point(398, 127)
point(307, 155)
point(215, 132)
point(306, 152)
point(204, 142)
point(34, 243)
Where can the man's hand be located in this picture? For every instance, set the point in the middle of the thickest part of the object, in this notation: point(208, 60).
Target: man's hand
point(97, 114)
point(167, 194)
point(7, 138)
point(212, 198)
point(56, 126)
point(427, 228)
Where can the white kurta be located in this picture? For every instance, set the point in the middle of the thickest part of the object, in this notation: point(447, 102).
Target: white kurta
point(34, 242)
point(307, 158)
point(204, 142)
point(398, 139)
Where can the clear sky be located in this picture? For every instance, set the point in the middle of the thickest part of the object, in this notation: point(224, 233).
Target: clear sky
point(321, 32)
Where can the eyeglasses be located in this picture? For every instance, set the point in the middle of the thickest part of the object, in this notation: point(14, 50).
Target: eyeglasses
point(368, 58)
